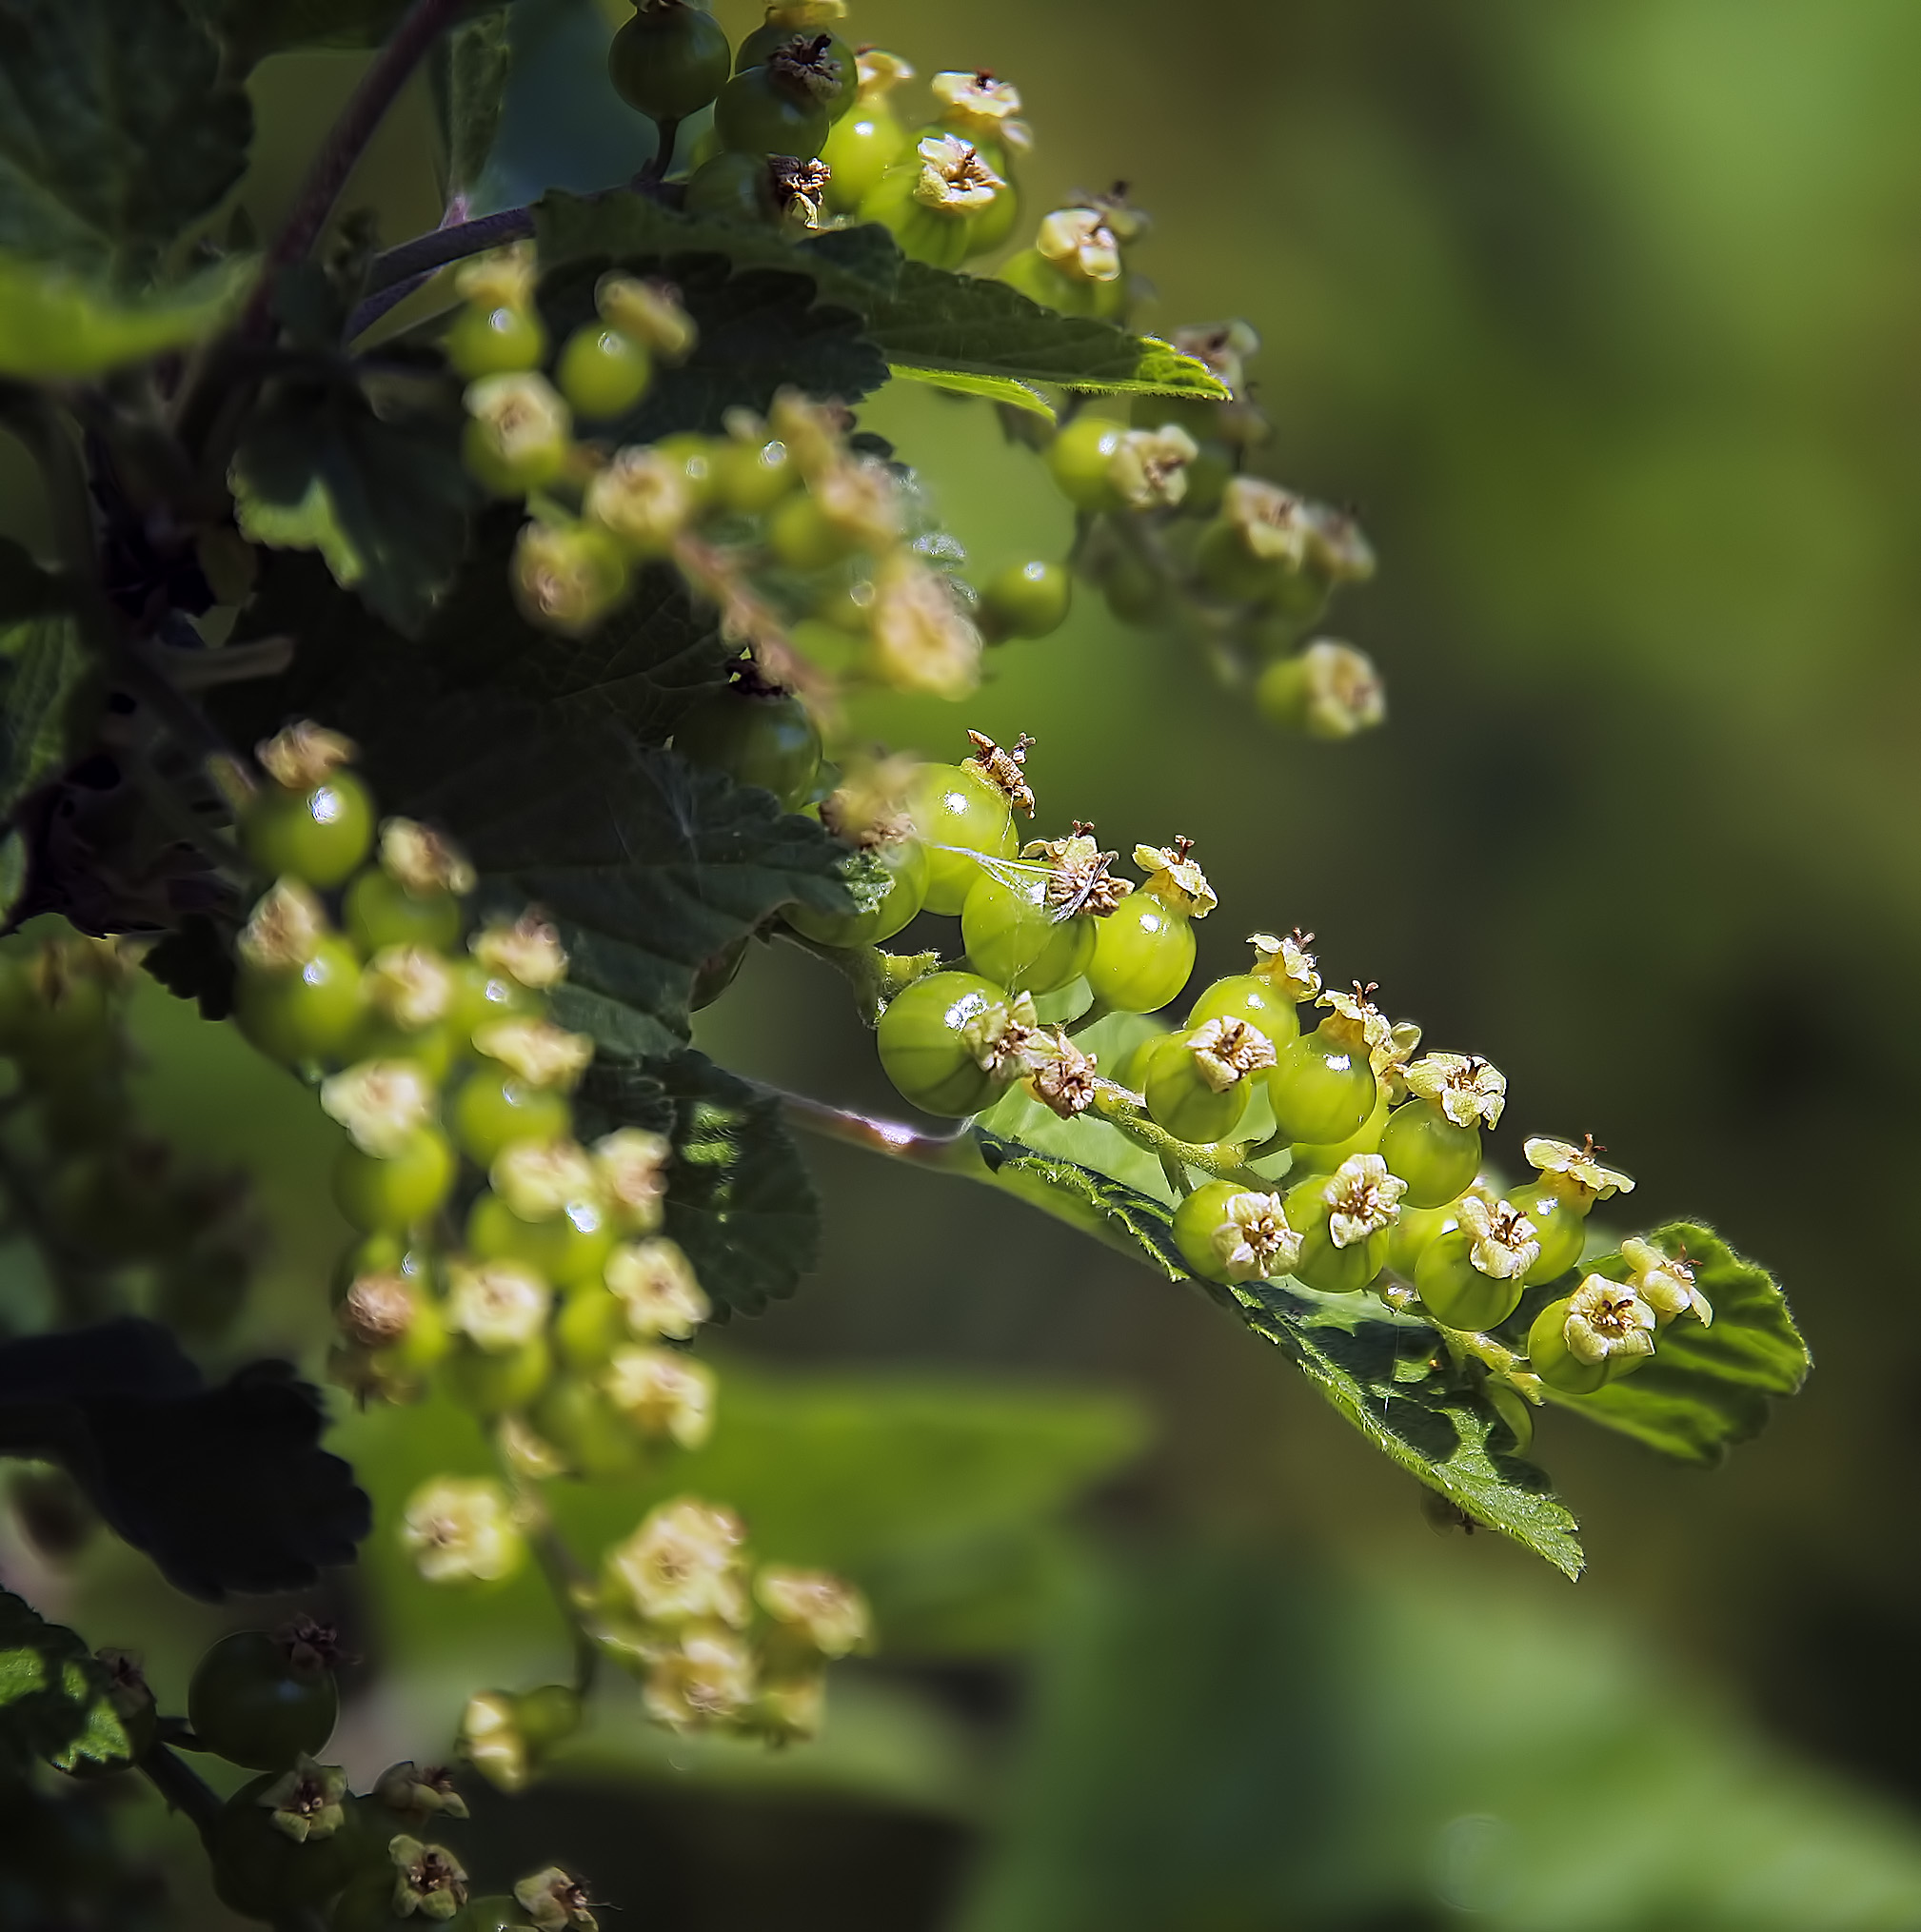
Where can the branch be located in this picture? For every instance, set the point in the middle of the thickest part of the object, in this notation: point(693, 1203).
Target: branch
point(183, 1787)
point(957, 1153)
point(394, 275)
point(1501, 1363)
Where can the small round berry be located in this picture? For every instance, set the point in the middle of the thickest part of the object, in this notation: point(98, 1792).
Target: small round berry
point(591, 1325)
point(800, 30)
point(517, 435)
point(1551, 1359)
point(602, 371)
point(498, 1384)
point(904, 863)
point(1324, 1156)
point(567, 576)
point(1409, 1238)
point(389, 1193)
point(1027, 599)
point(935, 200)
point(669, 60)
point(568, 1245)
point(952, 1042)
point(307, 1012)
point(1345, 1220)
point(317, 834)
point(1200, 1082)
point(495, 339)
point(1328, 690)
point(1322, 1086)
point(959, 811)
point(758, 735)
point(753, 473)
point(1433, 1155)
point(580, 1420)
point(262, 1699)
point(1078, 460)
point(770, 110)
point(1014, 935)
point(861, 147)
point(494, 1106)
point(1559, 1225)
point(1230, 1233)
point(1259, 1001)
point(1143, 952)
point(1470, 1276)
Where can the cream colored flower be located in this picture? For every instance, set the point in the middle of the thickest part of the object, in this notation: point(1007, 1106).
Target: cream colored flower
point(1357, 1021)
point(530, 952)
point(537, 1051)
point(1362, 1198)
point(814, 434)
point(526, 1453)
point(643, 499)
point(1665, 1285)
point(648, 311)
point(662, 1392)
point(869, 808)
point(954, 180)
point(410, 985)
point(305, 755)
point(491, 1740)
point(683, 1565)
point(381, 1103)
point(1336, 545)
point(462, 1530)
point(1270, 521)
point(1339, 691)
point(824, 1611)
point(880, 72)
point(425, 862)
point(1565, 1161)
point(499, 1305)
point(1503, 1240)
point(705, 1678)
point(539, 1178)
point(1227, 1051)
point(983, 107)
point(655, 1283)
point(1224, 346)
point(1255, 1241)
point(1286, 962)
point(523, 415)
point(1079, 878)
point(556, 1903)
point(1469, 1091)
point(632, 1165)
point(1081, 243)
point(859, 498)
point(1148, 467)
point(922, 638)
point(1006, 1036)
point(285, 929)
point(428, 1882)
point(1174, 875)
point(503, 278)
point(306, 1801)
point(1389, 1057)
point(1607, 1318)
point(566, 578)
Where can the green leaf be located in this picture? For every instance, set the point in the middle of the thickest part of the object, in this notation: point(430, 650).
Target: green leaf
point(1706, 1388)
point(53, 1703)
point(739, 1201)
point(116, 130)
point(1374, 1366)
point(43, 672)
point(57, 324)
point(26, 589)
point(479, 59)
point(383, 497)
point(937, 320)
point(994, 388)
point(254, 28)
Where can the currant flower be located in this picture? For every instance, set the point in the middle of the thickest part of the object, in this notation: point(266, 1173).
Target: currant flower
point(306, 1801)
point(632, 1165)
point(381, 1103)
point(1469, 1090)
point(828, 1614)
point(526, 1453)
point(1148, 467)
point(1328, 690)
point(408, 985)
point(1174, 875)
point(491, 1741)
point(1578, 1166)
point(499, 1305)
point(503, 278)
point(1362, 1198)
point(663, 1393)
point(528, 952)
point(537, 1051)
point(858, 497)
point(813, 432)
point(1390, 1055)
point(304, 755)
point(1081, 243)
point(1004, 769)
point(416, 1791)
point(1607, 1318)
point(643, 499)
point(1064, 1078)
point(954, 178)
point(1270, 522)
point(424, 860)
point(284, 928)
point(798, 187)
point(566, 576)
point(519, 416)
point(922, 638)
point(683, 1565)
point(1227, 1051)
point(705, 1678)
point(1503, 1240)
point(1667, 1284)
point(1080, 880)
point(1286, 963)
point(1336, 546)
point(650, 312)
point(980, 104)
point(1223, 346)
point(1254, 1240)
point(1006, 1034)
point(869, 808)
point(556, 1903)
point(462, 1530)
point(428, 1881)
point(1357, 1021)
point(377, 1311)
point(539, 1178)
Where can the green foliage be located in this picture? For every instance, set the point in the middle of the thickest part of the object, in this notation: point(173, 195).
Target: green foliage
point(53, 1703)
point(1707, 1387)
point(43, 670)
point(990, 389)
point(116, 131)
point(254, 28)
point(53, 324)
point(473, 87)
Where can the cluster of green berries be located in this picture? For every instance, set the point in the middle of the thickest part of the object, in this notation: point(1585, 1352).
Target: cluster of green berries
point(119, 1222)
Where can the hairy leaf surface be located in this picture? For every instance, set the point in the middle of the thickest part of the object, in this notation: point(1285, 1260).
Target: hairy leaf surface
point(54, 1702)
point(56, 324)
point(43, 669)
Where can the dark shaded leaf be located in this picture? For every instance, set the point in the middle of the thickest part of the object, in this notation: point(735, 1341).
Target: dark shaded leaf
point(383, 497)
point(738, 1198)
point(54, 1702)
point(26, 589)
point(254, 28)
point(1707, 1387)
point(193, 962)
point(116, 131)
point(479, 59)
point(44, 672)
point(226, 1489)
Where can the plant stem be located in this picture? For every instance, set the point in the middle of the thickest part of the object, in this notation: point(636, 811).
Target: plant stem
point(397, 273)
point(183, 1787)
point(666, 133)
point(954, 1153)
point(1225, 1161)
point(1500, 1362)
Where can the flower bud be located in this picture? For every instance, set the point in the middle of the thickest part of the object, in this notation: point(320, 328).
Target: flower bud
point(1328, 690)
point(491, 1740)
point(503, 278)
point(381, 1103)
point(419, 1792)
point(378, 1311)
point(304, 755)
point(528, 951)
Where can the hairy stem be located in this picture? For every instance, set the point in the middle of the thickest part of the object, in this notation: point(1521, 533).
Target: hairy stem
point(955, 1153)
point(183, 1787)
point(1225, 1161)
point(1499, 1361)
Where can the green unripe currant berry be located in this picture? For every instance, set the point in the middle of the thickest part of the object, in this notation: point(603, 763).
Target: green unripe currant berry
point(1143, 952)
point(382, 912)
point(567, 1247)
point(495, 339)
point(517, 435)
point(940, 236)
point(820, 60)
point(1183, 1102)
point(1324, 1156)
point(1130, 1071)
point(757, 735)
point(1408, 1239)
point(497, 1384)
point(602, 371)
point(1197, 1220)
point(1436, 1159)
point(433, 1048)
point(1321, 1088)
point(1134, 593)
point(1041, 281)
point(803, 538)
point(307, 1013)
point(548, 1714)
point(580, 1422)
point(481, 996)
point(1013, 935)
point(317, 835)
point(591, 1325)
point(929, 1046)
point(1559, 1226)
point(1078, 460)
point(262, 1873)
point(753, 474)
point(1028, 599)
point(1259, 1003)
point(567, 576)
point(904, 862)
point(669, 60)
point(1456, 1291)
point(958, 812)
point(761, 111)
point(767, 39)
point(259, 1702)
point(392, 1193)
point(493, 1108)
point(861, 146)
point(1323, 1265)
point(1551, 1359)
point(733, 187)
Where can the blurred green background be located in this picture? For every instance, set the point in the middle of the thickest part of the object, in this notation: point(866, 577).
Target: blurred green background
point(1605, 317)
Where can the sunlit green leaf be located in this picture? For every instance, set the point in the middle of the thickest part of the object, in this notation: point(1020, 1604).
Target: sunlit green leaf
point(992, 388)
point(42, 671)
point(52, 1696)
point(53, 323)
point(1706, 1388)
